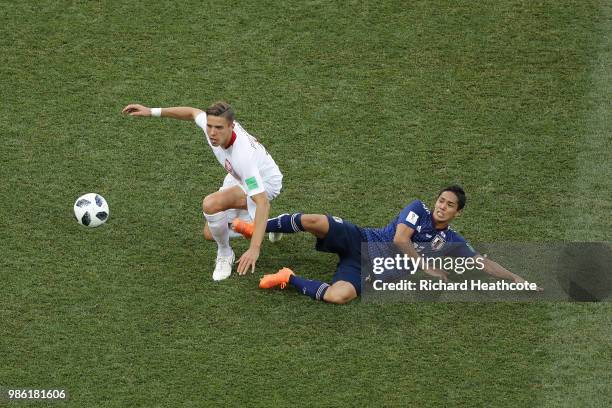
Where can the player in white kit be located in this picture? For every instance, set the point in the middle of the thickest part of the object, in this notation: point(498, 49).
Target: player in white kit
point(253, 179)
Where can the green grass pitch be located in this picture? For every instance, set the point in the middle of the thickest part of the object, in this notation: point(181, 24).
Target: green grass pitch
point(365, 106)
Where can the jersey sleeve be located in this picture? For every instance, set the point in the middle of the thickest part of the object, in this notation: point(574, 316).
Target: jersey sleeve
point(253, 182)
point(413, 214)
point(461, 248)
point(246, 165)
point(200, 120)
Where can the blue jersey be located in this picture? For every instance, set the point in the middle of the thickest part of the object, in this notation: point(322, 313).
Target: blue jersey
point(427, 240)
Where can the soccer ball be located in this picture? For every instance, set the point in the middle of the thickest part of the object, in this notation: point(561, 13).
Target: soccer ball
point(91, 210)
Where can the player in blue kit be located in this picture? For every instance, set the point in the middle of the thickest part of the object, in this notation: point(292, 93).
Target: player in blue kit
point(416, 231)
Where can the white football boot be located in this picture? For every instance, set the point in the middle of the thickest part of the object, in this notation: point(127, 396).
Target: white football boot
point(275, 236)
point(223, 267)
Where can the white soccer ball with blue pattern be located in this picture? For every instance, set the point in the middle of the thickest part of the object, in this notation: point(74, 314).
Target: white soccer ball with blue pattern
point(91, 210)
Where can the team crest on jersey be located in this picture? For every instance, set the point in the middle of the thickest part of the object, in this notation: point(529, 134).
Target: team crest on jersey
point(230, 169)
point(337, 219)
point(437, 243)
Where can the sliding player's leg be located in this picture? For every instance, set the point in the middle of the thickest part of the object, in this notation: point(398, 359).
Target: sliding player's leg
point(316, 224)
point(339, 292)
point(333, 235)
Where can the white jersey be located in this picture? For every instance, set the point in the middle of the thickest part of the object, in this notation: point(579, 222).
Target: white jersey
point(245, 159)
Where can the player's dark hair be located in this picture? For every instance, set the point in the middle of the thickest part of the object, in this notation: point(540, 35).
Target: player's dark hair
point(458, 191)
point(222, 109)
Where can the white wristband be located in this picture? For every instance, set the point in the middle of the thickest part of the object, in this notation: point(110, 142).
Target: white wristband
point(156, 112)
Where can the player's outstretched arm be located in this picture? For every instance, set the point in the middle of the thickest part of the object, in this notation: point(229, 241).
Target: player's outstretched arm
point(498, 271)
point(177, 112)
point(249, 258)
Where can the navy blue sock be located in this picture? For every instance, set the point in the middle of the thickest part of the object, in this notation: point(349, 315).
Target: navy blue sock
point(313, 288)
point(286, 223)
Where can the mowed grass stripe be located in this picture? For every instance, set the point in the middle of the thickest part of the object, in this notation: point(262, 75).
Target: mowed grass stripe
point(580, 339)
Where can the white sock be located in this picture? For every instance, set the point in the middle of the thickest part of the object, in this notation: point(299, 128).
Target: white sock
point(234, 234)
point(217, 224)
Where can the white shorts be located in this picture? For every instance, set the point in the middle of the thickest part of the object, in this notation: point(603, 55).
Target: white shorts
point(272, 186)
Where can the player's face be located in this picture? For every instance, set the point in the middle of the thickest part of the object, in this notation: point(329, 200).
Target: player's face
point(447, 207)
point(219, 130)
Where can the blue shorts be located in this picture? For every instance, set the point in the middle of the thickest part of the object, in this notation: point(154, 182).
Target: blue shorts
point(345, 240)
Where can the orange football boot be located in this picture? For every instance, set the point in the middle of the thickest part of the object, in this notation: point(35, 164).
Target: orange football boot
point(243, 227)
point(280, 278)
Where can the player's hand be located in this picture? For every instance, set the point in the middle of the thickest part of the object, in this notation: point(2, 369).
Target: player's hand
point(135, 109)
point(437, 273)
point(247, 261)
point(518, 279)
